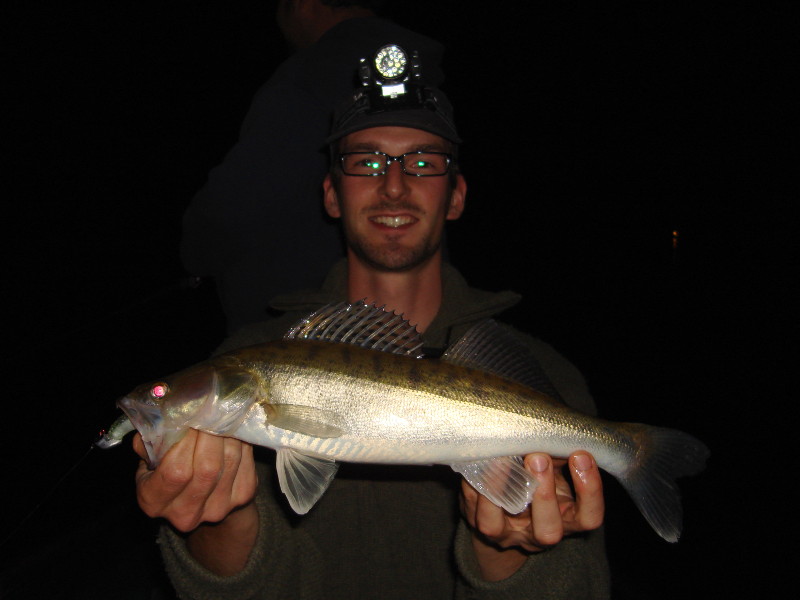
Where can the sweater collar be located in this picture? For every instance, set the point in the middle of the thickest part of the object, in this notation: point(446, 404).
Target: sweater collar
point(461, 304)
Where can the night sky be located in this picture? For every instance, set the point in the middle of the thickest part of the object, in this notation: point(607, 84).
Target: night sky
point(593, 134)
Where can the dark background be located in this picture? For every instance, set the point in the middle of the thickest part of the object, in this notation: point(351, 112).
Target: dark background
point(593, 132)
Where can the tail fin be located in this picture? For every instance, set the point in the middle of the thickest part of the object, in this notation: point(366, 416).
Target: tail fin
point(663, 455)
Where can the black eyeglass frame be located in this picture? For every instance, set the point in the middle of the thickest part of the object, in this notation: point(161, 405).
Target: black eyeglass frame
point(400, 159)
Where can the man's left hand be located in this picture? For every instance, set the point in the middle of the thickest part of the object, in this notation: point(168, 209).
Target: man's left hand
point(502, 541)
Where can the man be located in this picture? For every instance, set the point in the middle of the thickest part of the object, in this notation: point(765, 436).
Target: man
point(257, 226)
point(392, 532)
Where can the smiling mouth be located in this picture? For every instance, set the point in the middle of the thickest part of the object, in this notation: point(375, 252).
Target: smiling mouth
point(393, 221)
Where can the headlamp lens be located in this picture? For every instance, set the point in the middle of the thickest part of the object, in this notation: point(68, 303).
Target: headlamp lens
point(390, 62)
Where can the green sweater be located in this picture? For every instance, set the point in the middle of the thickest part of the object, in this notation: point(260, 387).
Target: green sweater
point(389, 532)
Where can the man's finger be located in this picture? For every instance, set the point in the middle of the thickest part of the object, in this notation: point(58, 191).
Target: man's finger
point(589, 502)
point(546, 525)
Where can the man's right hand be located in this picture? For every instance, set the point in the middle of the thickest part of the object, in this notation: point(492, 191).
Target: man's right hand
point(201, 479)
point(205, 479)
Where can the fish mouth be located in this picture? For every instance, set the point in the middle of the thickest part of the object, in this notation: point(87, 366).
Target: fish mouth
point(393, 221)
point(148, 421)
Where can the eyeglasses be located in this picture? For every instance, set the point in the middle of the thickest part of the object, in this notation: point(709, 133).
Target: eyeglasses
point(418, 164)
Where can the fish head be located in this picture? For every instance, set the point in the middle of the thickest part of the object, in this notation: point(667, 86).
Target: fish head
point(163, 410)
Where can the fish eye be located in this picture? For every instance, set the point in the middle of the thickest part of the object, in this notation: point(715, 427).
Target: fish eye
point(159, 390)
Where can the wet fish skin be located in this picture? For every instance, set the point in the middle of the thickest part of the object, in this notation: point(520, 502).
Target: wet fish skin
point(318, 402)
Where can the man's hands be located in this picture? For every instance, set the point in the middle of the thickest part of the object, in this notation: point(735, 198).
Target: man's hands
point(205, 479)
point(201, 479)
point(205, 486)
point(502, 541)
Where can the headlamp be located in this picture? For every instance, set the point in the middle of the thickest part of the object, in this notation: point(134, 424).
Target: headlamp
point(392, 78)
point(392, 93)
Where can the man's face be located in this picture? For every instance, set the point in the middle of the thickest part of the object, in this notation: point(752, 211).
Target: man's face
point(394, 222)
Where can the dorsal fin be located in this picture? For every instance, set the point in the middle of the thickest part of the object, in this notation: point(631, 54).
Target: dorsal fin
point(489, 347)
point(360, 324)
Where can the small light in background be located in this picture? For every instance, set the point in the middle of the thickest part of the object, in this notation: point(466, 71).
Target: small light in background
point(675, 236)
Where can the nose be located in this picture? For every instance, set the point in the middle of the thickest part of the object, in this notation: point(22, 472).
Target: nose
point(395, 182)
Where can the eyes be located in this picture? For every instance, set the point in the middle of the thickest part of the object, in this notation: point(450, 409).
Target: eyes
point(159, 390)
point(419, 164)
point(374, 165)
point(366, 163)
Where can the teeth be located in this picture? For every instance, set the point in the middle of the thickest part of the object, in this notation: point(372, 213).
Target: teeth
point(393, 221)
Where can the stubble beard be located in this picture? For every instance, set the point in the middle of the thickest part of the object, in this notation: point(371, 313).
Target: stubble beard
point(392, 256)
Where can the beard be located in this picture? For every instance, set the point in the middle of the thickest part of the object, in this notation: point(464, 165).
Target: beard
point(394, 257)
point(390, 254)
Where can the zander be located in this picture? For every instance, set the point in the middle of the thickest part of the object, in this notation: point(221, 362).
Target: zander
point(348, 383)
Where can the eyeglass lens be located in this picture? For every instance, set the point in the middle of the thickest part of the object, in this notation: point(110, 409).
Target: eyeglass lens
point(414, 163)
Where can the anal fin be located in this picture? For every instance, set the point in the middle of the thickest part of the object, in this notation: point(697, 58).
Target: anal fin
point(504, 480)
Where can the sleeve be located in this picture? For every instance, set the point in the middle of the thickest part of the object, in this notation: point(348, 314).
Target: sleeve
point(282, 564)
point(575, 569)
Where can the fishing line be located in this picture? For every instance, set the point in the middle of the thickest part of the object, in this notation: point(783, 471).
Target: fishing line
point(46, 497)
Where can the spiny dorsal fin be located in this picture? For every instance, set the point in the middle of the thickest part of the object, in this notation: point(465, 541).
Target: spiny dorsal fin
point(360, 324)
point(489, 347)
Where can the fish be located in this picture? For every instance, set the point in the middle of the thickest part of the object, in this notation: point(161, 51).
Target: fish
point(350, 383)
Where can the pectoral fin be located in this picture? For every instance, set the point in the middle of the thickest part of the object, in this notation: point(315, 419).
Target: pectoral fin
point(305, 419)
point(504, 481)
point(303, 478)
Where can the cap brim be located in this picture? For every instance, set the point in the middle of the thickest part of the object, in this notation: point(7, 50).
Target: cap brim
point(426, 120)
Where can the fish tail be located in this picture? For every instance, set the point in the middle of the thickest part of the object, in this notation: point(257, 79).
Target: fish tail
point(662, 455)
